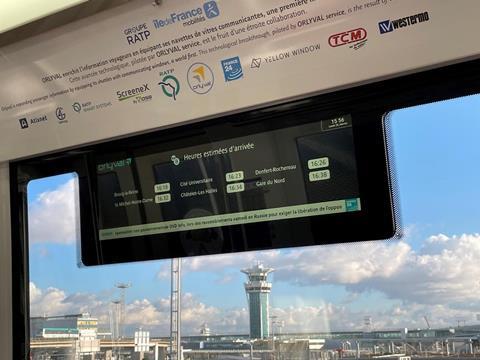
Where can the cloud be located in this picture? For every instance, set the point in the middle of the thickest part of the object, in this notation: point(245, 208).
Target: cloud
point(164, 272)
point(53, 301)
point(342, 264)
point(53, 215)
point(220, 262)
point(225, 266)
point(331, 264)
point(443, 270)
point(144, 313)
point(226, 279)
point(154, 315)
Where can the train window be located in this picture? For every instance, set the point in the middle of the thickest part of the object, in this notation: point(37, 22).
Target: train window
point(413, 296)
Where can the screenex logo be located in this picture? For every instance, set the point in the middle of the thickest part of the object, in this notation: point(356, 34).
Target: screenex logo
point(391, 25)
point(190, 17)
point(356, 37)
point(136, 93)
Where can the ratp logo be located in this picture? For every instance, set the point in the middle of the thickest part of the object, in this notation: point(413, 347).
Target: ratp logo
point(211, 9)
point(170, 86)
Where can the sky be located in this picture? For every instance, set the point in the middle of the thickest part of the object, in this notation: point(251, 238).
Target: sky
point(432, 271)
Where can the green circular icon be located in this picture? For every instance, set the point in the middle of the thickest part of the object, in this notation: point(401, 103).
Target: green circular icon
point(170, 86)
point(77, 107)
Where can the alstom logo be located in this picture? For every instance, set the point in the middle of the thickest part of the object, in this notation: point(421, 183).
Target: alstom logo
point(388, 26)
point(347, 37)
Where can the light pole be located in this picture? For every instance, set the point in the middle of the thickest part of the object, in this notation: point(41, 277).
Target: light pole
point(273, 323)
point(272, 318)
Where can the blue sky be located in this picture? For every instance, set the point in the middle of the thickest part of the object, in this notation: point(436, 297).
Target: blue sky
point(436, 152)
point(436, 155)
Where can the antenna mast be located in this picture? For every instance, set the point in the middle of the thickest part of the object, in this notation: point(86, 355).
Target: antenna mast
point(175, 311)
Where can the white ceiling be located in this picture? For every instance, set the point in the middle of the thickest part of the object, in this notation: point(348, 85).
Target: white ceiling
point(21, 19)
point(15, 13)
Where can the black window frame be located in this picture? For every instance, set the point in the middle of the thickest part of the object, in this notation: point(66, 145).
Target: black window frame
point(422, 87)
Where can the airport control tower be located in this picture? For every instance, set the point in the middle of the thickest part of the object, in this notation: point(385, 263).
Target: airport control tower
point(258, 290)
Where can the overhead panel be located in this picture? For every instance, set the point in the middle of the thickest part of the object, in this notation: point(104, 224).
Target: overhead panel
point(141, 66)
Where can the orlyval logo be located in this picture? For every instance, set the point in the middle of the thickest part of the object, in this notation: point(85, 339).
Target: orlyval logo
point(388, 26)
point(200, 78)
point(356, 37)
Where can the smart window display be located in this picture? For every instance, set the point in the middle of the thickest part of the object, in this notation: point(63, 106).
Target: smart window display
point(286, 173)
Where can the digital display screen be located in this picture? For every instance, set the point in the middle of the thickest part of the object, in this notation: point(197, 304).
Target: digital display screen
point(299, 171)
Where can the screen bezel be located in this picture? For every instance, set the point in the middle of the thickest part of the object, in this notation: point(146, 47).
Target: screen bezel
point(373, 180)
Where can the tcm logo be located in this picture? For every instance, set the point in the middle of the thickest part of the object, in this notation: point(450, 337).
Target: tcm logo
point(388, 26)
point(136, 33)
point(348, 37)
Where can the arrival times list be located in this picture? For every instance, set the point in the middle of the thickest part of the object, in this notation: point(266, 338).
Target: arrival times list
point(300, 171)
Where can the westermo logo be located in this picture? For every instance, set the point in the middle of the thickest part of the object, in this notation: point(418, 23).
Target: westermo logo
point(388, 26)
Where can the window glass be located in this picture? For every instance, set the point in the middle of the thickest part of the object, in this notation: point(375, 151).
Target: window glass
point(412, 295)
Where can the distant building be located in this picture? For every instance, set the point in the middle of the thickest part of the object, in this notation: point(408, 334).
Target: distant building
point(258, 291)
point(205, 330)
point(66, 326)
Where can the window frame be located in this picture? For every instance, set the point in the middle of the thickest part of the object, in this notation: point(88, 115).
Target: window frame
point(423, 87)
